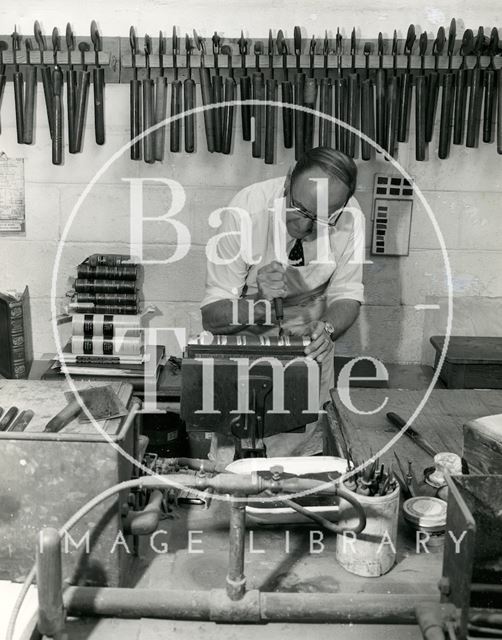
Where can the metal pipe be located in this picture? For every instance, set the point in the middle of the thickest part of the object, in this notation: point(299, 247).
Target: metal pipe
point(51, 614)
point(145, 522)
point(430, 621)
point(236, 580)
point(215, 605)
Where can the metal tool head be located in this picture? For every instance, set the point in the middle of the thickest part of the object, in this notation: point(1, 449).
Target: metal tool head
point(162, 43)
point(411, 36)
point(133, 41)
point(467, 45)
point(297, 38)
point(270, 43)
point(16, 40)
point(479, 41)
point(452, 35)
point(147, 49)
point(243, 45)
point(394, 43)
point(188, 44)
point(29, 48)
point(282, 47)
point(56, 42)
point(216, 43)
point(339, 42)
point(226, 50)
point(199, 42)
point(95, 37)
point(325, 44)
point(258, 48)
point(312, 46)
point(39, 38)
point(380, 44)
point(422, 44)
point(101, 402)
point(494, 42)
point(70, 38)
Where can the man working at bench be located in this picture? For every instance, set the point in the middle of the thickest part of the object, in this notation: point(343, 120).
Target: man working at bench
point(318, 274)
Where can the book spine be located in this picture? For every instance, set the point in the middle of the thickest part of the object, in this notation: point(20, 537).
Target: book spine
point(107, 259)
point(89, 307)
point(123, 272)
point(107, 326)
point(107, 298)
point(86, 285)
point(18, 358)
point(81, 345)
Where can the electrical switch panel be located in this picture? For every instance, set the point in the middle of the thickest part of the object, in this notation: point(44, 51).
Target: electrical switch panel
point(392, 208)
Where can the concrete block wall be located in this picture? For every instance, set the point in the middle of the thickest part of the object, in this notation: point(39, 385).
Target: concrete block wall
point(464, 192)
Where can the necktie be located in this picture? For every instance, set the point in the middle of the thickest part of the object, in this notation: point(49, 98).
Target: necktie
point(296, 257)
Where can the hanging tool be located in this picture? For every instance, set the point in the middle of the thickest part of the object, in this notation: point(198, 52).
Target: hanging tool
point(445, 127)
point(30, 95)
point(475, 95)
point(148, 106)
point(353, 101)
point(57, 101)
point(189, 100)
point(310, 99)
point(8, 418)
point(405, 104)
point(257, 111)
point(499, 111)
point(17, 77)
point(367, 111)
point(340, 86)
point(98, 81)
point(22, 421)
point(228, 110)
point(461, 79)
point(71, 87)
point(279, 314)
point(299, 96)
point(421, 102)
point(433, 85)
point(3, 47)
point(286, 93)
point(394, 101)
point(83, 81)
point(245, 85)
point(159, 134)
point(46, 76)
point(325, 99)
point(217, 84)
point(205, 87)
point(176, 106)
point(270, 111)
point(134, 97)
point(489, 88)
point(418, 439)
point(381, 97)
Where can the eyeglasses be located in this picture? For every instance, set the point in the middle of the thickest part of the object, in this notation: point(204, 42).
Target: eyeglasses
point(332, 218)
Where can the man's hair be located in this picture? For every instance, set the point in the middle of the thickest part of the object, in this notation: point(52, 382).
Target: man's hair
point(334, 163)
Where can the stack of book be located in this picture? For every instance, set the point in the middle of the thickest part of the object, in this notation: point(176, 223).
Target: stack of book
point(107, 338)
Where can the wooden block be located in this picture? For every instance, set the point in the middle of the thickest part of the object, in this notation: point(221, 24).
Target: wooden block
point(483, 444)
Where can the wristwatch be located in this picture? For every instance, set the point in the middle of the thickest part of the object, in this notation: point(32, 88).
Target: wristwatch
point(330, 330)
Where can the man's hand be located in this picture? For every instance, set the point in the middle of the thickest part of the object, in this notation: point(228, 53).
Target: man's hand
point(321, 347)
point(271, 281)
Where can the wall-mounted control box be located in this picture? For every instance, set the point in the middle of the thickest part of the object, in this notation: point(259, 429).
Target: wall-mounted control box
point(392, 207)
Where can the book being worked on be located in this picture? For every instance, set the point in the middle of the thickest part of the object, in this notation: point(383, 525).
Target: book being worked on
point(16, 348)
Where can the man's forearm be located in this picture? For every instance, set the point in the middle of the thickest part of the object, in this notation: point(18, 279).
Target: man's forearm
point(232, 316)
point(342, 314)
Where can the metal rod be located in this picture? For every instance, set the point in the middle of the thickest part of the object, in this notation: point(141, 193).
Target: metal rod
point(51, 614)
point(236, 580)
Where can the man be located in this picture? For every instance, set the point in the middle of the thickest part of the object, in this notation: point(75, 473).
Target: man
point(318, 273)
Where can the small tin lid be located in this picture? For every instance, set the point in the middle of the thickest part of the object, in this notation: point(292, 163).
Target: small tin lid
point(425, 512)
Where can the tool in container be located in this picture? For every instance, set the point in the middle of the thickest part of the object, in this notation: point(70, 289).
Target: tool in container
point(161, 101)
point(71, 88)
point(367, 111)
point(134, 97)
point(489, 88)
point(405, 104)
point(286, 93)
point(445, 126)
point(175, 128)
point(45, 72)
point(475, 95)
point(270, 110)
point(353, 101)
point(57, 101)
point(393, 103)
point(299, 96)
point(245, 87)
point(205, 87)
point(217, 88)
point(18, 80)
point(461, 87)
point(148, 105)
point(83, 81)
point(101, 402)
point(433, 85)
point(189, 100)
point(310, 99)
point(30, 95)
point(229, 97)
point(325, 98)
point(98, 82)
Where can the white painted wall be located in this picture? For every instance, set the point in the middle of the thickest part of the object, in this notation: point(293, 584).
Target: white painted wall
point(464, 191)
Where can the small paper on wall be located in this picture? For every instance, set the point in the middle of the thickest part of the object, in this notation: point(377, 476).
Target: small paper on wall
point(12, 196)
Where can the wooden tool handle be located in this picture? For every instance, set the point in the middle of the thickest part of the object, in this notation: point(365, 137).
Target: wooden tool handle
point(432, 101)
point(245, 85)
point(64, 417)
point(8, 418)
point(48, 94)
point(420, 117)
point(411, 433)
point(460, 105)
point(287, 114)
point(29, 103)
point(148, 118)
point(353, 102)
point(176, 107)
point(258, 94)
point(22, 421)
point(228, 115)
point(19, 102)
point(299, 89)
point(474, 113)
point(445, 127)
point(82, 91)
point(405, 108)
point(2, 87)
point(205, 87)
point(340, 88)
point(489, 96)
point(270, 115)
point(325, 105)
point(99, 104)
point(71, 108)
point(367, 118)
point(135, 116)
point(57, 138)
point(218, 115)
point(310, 101)
point(160, 116)
point(189, 103)
point(393, 114)
point(381, 107)
point(499, 111)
